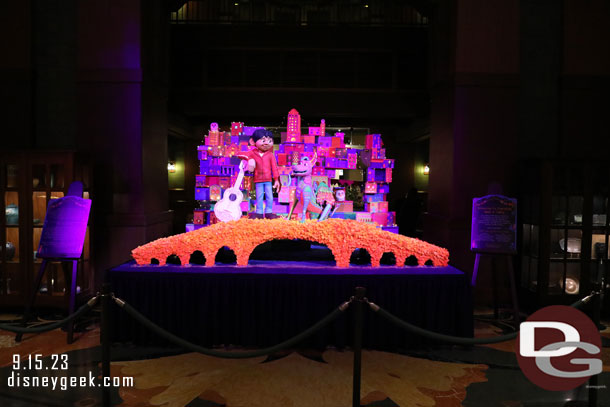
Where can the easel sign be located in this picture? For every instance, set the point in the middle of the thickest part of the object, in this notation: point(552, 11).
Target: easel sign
point(494, 225)
point(65, 225)
point(62, 239)
point(494, 234)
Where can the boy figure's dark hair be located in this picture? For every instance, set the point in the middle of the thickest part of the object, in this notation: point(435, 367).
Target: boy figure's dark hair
point(261, 133)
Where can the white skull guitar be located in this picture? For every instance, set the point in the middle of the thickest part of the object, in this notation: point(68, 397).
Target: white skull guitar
point(229, 207)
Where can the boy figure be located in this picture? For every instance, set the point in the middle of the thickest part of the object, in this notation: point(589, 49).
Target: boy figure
point(262, 161)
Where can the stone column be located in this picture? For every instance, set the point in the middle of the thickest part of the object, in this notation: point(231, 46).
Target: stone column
point(122, 109)
point(474, 115)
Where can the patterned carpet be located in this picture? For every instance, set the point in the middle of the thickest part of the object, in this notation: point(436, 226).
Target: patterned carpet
point(442, 376)
point(295, 380)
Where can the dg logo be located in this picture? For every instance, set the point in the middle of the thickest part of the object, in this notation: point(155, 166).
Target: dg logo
point(558, 348)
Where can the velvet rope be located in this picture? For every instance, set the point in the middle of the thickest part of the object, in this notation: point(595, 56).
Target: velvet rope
point(455, 339)
point(224, 354)
point(49, 327)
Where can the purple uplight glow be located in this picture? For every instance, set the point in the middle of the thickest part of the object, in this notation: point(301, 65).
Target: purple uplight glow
point(65, 225)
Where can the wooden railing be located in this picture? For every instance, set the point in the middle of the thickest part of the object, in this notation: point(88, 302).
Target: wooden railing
point(290, 12)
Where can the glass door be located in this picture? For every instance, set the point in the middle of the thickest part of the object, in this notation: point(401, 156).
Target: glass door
point(11, 267)
point(48, 183)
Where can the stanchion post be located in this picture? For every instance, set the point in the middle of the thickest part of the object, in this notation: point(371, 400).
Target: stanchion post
point(358, 304)
point(105, 298)
point(595, 313)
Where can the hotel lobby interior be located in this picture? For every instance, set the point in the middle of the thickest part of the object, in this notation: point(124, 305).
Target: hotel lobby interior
point(455, 153)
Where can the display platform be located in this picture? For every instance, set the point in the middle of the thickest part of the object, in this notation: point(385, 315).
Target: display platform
point(268, 302)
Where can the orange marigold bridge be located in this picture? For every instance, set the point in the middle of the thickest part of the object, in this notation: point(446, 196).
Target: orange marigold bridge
point(242, 236)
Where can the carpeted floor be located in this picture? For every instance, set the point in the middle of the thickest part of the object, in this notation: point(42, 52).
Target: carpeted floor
point(443, 376)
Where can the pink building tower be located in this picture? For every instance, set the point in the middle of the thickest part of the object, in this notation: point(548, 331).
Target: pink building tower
point(294, 127)
point(323, 128)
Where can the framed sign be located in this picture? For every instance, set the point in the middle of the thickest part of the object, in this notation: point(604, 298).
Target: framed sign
point(494, 225)
point(65, 225)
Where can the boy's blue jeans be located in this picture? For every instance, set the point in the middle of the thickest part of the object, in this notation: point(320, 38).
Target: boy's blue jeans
point(264, 193)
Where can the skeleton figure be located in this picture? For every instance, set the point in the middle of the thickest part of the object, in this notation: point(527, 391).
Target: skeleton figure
point(312, 197)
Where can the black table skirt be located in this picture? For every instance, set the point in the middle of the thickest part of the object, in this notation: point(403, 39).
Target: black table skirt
point(268, 302)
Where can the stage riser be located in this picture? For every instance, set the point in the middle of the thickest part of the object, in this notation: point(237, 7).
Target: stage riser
point(228, 305)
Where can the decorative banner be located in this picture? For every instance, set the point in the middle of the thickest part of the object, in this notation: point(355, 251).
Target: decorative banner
point(65, 225)
point(494, 225)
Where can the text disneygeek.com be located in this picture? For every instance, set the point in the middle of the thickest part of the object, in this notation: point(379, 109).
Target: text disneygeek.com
point(32, 367)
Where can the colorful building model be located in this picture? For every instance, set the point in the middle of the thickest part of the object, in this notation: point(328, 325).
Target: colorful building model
point(337, 165)
point(293, 131)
